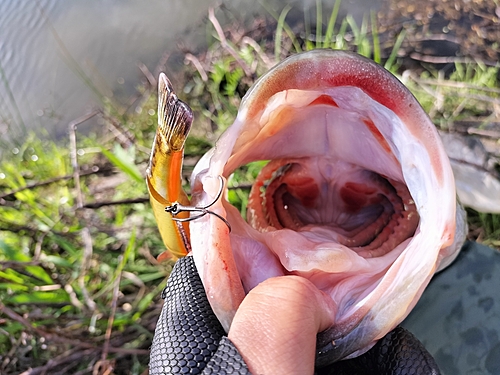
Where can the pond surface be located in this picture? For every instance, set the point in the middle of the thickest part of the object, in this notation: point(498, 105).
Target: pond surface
point(56, 55)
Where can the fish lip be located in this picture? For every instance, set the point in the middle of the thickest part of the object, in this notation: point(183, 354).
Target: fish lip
point(331, 346)
point(337, 349)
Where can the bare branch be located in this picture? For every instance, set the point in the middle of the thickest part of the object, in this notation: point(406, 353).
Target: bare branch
point(225, 44)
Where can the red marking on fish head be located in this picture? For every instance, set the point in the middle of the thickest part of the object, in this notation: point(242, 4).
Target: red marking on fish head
point(449, 234)
point(377, 134)
point(325, 100)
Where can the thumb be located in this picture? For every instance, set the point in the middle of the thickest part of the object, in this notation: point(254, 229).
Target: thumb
point(276, 325)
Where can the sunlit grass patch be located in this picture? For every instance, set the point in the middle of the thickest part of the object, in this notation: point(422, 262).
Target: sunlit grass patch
point(76, 270)
point(240, 183)
point(471, 91)
point(484, 227)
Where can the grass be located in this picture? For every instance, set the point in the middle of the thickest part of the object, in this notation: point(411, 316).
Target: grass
point(78, 275)
point(74, 278)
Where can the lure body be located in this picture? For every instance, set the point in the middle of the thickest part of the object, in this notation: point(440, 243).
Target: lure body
point(163, 175)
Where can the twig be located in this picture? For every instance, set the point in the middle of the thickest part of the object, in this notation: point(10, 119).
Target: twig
point(137, 282)
point(18, 318)
point(123, 136)
point(116, 290)
point(38, 246)
point(484, 133)
point(72, 355)
point(448, 59)
point(448, 83)
point(435, 37)
point(46, 182)
point(15, 264)
point(265, 59)
point(86, 370)
point(189, 58)
point(225, 44)
point(103, 368)
point(73, 153)
point(459, 108)
point(16, 228)
point(149, 76)
point(160, 67)
point(440, 83)
point(57, 338)
point(85, 232)
point(95, 205)
point(73, 297)
point(10, 358)
point(146, 253)
point(86, 257)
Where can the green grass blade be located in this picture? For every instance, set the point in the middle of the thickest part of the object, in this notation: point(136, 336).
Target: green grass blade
point(307, 24)
point(146, 300)
point(55, 297)
point(330, 30)
point(376, 41)
point(319, 23)
point(10, 275)
point(13, 287)
point(392, 58)
point(126, 254)
point(354, 27)
point(364, 43)
point(57, 261)
point(283, 25)
point(12, 254)
point(340, 38)
point(124, 160)
point(279, 32)
point(68, 246)
point(40, 274)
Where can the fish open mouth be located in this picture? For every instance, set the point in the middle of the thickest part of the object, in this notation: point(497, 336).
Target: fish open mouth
point(334, 178)
point(358, 197)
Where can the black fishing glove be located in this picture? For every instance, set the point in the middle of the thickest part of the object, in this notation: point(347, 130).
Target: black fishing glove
point(190, 340)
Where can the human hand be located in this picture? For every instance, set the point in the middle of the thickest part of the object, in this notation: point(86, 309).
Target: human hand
point(273, 332)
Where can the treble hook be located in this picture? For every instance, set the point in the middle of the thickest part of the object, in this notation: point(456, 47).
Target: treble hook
point(177, 208)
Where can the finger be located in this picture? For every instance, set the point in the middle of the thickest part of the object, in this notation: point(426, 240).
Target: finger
point(276, 325)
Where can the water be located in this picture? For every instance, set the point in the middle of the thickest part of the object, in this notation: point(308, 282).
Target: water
point(51, 49)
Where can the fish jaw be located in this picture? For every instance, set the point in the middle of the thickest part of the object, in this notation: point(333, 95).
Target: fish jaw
point(335, 115)
point(213, 256)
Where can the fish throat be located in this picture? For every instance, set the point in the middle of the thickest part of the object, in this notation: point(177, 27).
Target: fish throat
point(336, 202)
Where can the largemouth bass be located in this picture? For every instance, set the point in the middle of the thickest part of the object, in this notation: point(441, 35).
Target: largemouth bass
point(358, 196)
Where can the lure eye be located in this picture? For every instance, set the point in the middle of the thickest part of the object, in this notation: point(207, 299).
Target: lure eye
point(173, 209)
